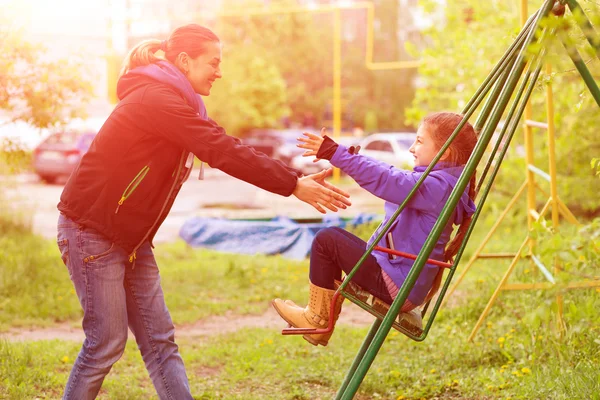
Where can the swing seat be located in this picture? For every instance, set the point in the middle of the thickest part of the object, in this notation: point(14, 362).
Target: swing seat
point(411, 322)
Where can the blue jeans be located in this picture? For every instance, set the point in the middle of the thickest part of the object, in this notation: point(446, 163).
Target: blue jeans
point(115, 296)
point(335, 250)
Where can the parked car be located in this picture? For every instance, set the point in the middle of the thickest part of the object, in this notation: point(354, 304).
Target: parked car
point(391, 148)
point(306, 164)
point(262, 140)
point(59, 153)
point(277, 143)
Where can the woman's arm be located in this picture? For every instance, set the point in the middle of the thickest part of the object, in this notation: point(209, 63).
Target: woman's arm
point(178, 123)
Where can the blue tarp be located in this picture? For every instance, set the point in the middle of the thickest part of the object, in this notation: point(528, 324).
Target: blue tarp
point(281, 235)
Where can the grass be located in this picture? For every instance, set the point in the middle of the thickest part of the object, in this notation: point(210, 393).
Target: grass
point(518, 353)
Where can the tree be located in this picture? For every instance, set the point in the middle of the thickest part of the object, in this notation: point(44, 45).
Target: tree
point(301, 46)
point(253, 95)
point(292, 45)
point(37, 89)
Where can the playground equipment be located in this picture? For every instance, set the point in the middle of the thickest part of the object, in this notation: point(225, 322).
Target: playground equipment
point(530, 186)
point(499, 87)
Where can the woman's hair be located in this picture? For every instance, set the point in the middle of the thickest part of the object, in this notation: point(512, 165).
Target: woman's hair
point(440, 126)
point(191, 39)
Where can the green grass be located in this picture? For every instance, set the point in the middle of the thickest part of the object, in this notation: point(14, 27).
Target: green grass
point(518, 353)
point(508, 359)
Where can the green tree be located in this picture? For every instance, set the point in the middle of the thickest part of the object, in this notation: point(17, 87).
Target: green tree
point(293, 44)
point(37, 89)
point(301, 46)
point(252, 95)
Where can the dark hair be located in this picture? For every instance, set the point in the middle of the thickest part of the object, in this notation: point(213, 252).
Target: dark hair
point(191, 39)
point(440, 126)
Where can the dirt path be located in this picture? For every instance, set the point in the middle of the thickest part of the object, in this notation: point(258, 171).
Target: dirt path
point(351, 315)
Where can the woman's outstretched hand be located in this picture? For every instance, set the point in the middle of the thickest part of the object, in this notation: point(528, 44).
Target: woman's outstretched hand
point(311, 143)
point(314, 190)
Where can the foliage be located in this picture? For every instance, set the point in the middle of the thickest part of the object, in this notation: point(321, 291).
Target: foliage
point(37, 89)
point(299, 46)
point(13, 157)
point(465, 48)
point(253, 95)
point(518, 353)
point(34, 287)
point(595, 163)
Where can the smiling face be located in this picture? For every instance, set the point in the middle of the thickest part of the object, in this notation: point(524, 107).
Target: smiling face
point(424, 149)
point(204, 69)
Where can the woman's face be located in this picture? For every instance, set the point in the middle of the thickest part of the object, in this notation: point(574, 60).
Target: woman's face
point(204, 69)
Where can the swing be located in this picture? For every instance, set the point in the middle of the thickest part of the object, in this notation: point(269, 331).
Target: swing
point(502, 81)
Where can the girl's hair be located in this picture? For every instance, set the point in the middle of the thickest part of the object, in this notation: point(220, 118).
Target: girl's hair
point(440, 126)
point(191, 39)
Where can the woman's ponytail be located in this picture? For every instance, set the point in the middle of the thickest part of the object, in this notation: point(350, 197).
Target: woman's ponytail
point(191, 39)
point(142, 54)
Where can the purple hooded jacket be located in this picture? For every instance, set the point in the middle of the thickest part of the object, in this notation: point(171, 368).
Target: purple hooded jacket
point(416, 221)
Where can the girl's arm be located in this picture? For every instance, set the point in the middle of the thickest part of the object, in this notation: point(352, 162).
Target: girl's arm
point(383, 180)
point(390, 183)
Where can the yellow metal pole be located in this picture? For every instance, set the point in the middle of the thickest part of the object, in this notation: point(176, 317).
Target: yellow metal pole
point(567, 213)
point(528, 147)
point(337, 81)
point(548, 285)
point(551, 149)
point(553, 188)
point(529, 156)
point(487, 308)
point(271, 10)
point(502, 283)
point(475, 255)
point(111, 57)
point(370, 34)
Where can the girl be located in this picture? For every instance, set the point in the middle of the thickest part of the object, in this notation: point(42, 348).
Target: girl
point(335, 250)
point(124, 187)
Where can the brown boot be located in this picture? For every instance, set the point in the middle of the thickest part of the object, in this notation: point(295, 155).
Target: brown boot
point(315, 315)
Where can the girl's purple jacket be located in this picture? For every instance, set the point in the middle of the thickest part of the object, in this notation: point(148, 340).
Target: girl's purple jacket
point(416, 221)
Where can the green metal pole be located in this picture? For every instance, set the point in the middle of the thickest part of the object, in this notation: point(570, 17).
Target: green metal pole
point(507, 60)
point(583, 70)
point(469, 109)
point(503, 63)
point(513, 119)
point(492, 127)
point(493, 98)
point(439, 226)
point(585, 25)
point(359, 356)
point(526, 77)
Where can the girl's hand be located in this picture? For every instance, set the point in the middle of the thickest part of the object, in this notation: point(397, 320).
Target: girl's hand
point(311, 143)
point(313, 189)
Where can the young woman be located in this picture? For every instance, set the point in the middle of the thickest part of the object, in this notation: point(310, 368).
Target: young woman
point(123, 189)
point(335, 250)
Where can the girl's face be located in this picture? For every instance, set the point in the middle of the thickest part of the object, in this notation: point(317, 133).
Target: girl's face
point(204, 69)
point(424, 149)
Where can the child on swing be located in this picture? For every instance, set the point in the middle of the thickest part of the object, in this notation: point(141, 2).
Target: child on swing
point(334, 250)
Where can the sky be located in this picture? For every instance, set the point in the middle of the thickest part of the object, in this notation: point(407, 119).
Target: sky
point(58, 17)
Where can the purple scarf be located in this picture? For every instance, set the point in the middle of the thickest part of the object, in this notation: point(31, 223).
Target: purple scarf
point(165, 72)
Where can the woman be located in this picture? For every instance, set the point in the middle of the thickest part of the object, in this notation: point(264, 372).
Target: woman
point(123, 189)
